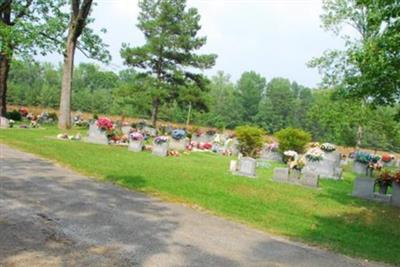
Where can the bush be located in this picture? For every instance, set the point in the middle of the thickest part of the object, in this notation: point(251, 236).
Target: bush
point(251, 139)
point(14, 115)
point(293, 139)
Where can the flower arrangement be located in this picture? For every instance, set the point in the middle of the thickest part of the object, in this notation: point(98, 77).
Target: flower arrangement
point(23, 111)
point(136, 136)
point(104, 124)
point(205, 146)
point(366, 158)
point(297, 164)
point(387, 158)
point(159, 140)
point(11, 123)
point(290, 154)
point(178, 134)
point(314, 154)
point(328, 147)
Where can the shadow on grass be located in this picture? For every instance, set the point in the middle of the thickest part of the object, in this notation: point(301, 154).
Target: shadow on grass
point(129, 181)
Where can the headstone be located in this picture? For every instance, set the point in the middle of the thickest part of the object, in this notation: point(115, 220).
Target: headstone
point(360, 168)
point(179, 145)
point(364, 187)
point(264, 164)
point(4, 122)
point(328, 167)
point(247, 167)
point(281, 175)
point(135, 146)
point(272, 155)
point(96, 135)
point(294, 175)
point(395, 194)
point(150, 131)
point(160, 150)
point(126, 129)
point(233, 166)
point(310, 179)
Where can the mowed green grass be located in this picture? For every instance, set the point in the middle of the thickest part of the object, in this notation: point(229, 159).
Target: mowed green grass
point(328, 217)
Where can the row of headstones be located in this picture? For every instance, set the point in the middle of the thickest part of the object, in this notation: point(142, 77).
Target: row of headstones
point(364, 187)
point(329, 167)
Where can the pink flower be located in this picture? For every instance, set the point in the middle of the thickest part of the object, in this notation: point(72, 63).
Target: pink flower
point(104, 124)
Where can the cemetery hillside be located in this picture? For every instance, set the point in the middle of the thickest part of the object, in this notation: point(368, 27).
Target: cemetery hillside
point(170, 161)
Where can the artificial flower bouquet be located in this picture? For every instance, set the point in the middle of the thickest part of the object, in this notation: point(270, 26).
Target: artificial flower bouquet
point(314, 154)
point(104, 124)
point(159, 140)
point(273, 147)
point(387, 158)
point(136, 136)
point(178, 134)
point(328, 147)
point(366, 158)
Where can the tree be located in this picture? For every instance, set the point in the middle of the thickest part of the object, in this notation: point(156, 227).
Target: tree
point(369, 67)
point(251, 87)
point(277, 107)
point(90, 42)
point(24, 28)
point(168, 56)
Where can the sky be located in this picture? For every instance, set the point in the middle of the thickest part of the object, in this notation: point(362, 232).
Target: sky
point(275, 38)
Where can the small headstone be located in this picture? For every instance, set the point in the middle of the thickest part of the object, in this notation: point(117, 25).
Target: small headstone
point(247, 167)
point(364, 187)
point(135, 146)
point(96, 135)
point(4, 122)
point(281, 175)
point(310, 179)
point(160, 150)
point(360, 168)
point(233, 166)
point(150, 131)
point(395, 194)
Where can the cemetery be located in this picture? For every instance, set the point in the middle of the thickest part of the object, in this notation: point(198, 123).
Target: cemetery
point(144, 140)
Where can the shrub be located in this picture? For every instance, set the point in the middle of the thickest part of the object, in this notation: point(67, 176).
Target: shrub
point(251, 139)
point(14, 115)
point(293, 139)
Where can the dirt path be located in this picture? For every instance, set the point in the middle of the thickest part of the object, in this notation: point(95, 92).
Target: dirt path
point(51, 216)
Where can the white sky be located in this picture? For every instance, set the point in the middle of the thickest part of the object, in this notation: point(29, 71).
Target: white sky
point(272, 37)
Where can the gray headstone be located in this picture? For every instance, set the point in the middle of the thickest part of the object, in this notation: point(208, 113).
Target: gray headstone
point(233, 166)
point(4, 123)
point(96, 135)
point(294, 176)
point(179, 145)
point(150, 131)
point(328, 167)
point(271, 155)
point(360, 168)
point(126, 129)
point(160, 150)
point(396, 194)
point(281, 175)
point(364, 187)
point(135, 146)
point(247, 167)
point(310, 179)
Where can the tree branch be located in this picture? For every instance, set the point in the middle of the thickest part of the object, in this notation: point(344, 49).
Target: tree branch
point(23, 11)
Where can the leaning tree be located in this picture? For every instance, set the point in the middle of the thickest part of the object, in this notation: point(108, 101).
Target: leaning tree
point(168, 59)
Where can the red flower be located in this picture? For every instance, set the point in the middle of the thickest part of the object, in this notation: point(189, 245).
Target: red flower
point(104, 124)
point(386, 158)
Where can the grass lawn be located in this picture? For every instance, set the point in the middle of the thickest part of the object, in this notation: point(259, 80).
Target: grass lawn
point(328, 217)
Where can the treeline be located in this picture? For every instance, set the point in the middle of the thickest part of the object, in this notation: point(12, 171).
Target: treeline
point(272, 105)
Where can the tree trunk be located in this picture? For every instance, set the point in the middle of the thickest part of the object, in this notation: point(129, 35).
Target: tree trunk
point(4, 70)
point(189, 115)
point(154, 112)
point(68, 69)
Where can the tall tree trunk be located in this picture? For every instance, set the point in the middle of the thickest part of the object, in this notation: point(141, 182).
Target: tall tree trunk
point(4, 70)
point(359, 136)
point(68, 69)
point(154, 112)
point(189, 115)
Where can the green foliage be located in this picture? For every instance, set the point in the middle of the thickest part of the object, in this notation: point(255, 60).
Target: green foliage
point(293, 139)
point(251, 140)
point(14, 115)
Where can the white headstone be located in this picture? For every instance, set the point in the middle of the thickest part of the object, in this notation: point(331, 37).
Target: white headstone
point(160, 150)
point(135, 146)
point(4, 123)
point(233, 166)
point(126, 129)
point(281, 175)
point(179, 145)
point(96, 135)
